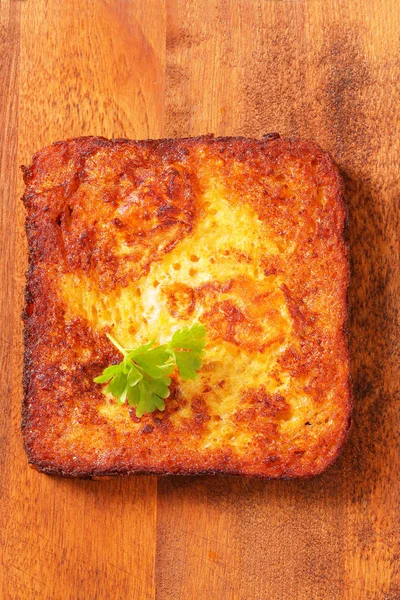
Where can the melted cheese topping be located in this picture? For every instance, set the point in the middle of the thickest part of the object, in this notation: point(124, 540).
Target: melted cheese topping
point(227, 244)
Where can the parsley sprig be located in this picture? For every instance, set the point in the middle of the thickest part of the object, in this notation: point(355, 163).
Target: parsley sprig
point(143, 376)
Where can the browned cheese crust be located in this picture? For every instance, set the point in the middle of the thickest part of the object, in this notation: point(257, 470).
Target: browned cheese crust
point(142, 238)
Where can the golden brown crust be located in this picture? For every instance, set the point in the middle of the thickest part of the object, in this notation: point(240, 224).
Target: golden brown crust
point(107, 212)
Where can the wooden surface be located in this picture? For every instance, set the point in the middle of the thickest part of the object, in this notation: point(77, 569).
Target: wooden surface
point(328, 70)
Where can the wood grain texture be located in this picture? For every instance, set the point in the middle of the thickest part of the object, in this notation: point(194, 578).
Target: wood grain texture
point(328, 70)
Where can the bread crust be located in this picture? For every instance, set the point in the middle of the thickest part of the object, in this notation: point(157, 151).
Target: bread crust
point(64, 354)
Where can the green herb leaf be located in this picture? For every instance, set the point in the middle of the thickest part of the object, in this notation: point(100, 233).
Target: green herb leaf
point(189, 338)
point(133, 395)
point(134, 376)
point(188, 364)
point(108, 373)
point(117, 384)
point(151, 370)
point(142, 377)
point(187, 346)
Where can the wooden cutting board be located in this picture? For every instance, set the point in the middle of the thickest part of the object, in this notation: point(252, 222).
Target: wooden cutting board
point(328, 70)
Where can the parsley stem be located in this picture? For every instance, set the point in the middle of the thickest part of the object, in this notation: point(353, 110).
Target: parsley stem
point(115, 343)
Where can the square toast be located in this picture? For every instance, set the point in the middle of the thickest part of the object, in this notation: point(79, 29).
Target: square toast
point(141, 238)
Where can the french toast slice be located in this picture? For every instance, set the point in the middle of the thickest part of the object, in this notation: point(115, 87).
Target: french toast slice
point(141, 238)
